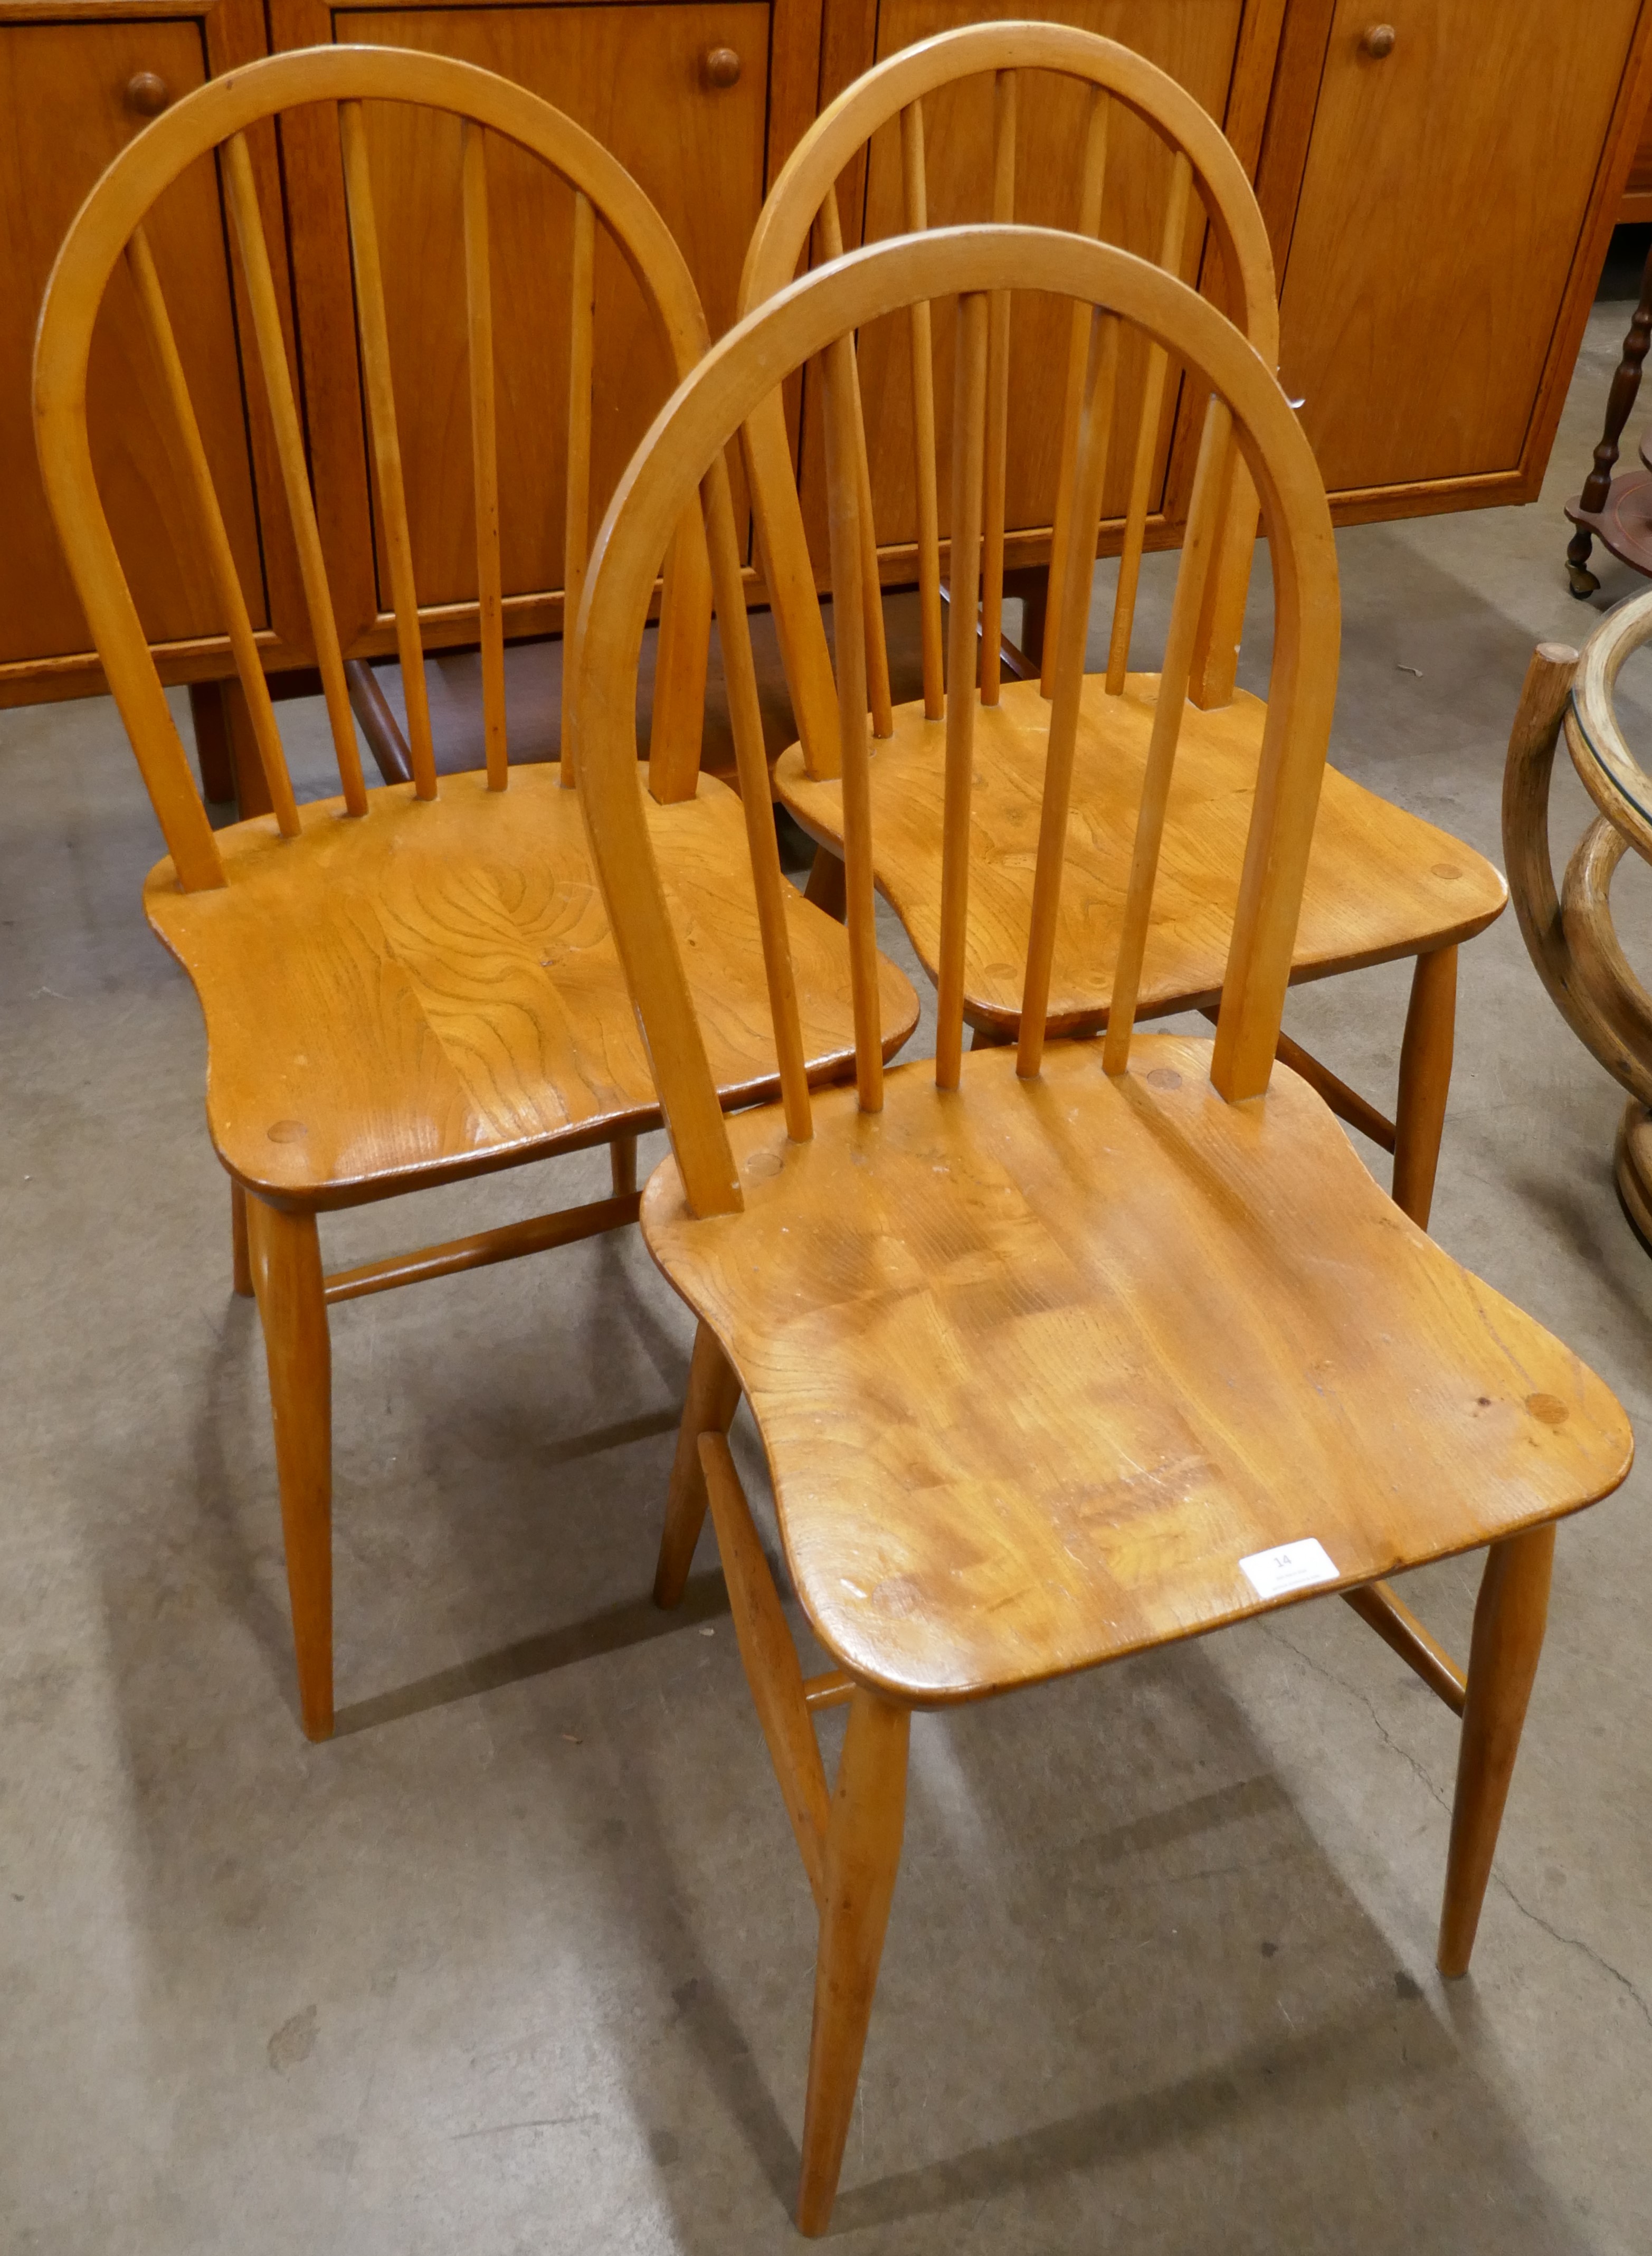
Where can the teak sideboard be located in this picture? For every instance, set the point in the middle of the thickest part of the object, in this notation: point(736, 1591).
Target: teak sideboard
point(1439, 176)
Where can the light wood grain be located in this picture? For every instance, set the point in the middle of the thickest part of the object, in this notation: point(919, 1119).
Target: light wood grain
point(446, 996)
point(1509, 1620)
point(708, 1406)
point(1381, 883)
point(287, 1277)
point(1177, 1379)
point(242, 193)
point(1041, 1361)
point(484, 453)
point(771, 1668)
point(863, 1856)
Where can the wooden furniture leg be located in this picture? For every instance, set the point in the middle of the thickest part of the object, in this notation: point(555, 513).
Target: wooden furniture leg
point(1625, 384)
point(713, 1397)
point(239, 1253)
point(622, 1162)
point(287, 1273)
point(1425, 1082)
point(251, 791)
point(863, 1854)
point(1509, 1618)
point(1031, 584)
point(827, 885)
point(212, 741)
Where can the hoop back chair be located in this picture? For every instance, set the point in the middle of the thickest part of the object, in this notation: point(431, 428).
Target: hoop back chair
point(402, 986)
point(1381, 884)
point(1061, 1353)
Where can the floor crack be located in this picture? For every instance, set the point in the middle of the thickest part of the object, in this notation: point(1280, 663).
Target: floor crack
point(1575, 1942)
point(1572, 1942)
point(1369, 1705)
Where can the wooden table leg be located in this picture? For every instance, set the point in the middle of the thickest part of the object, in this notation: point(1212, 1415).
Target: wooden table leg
point(622, 1164)
point(1425, 1082)
point(1509, 1619)
point(212, 742)
point(712, 1400)
point(1626, 384)
point(863, 1855)
point(286, 1272)
point(827, 885)
point(240, 1254)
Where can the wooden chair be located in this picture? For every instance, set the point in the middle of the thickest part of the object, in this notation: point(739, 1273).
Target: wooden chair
point(1061, 1353)
point(1569, 934)
point(401, 988)
point(1381, 884)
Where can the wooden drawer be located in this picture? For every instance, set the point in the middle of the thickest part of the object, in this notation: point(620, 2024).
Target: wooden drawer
point(70, 97)
point(1440, 225)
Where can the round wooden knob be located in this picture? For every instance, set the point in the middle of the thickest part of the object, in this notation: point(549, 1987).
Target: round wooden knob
point(148, 94)
point(722, 66)
point(1378, 42)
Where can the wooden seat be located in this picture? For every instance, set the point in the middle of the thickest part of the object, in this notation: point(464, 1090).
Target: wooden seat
point(1380, 881)
point(447, 997)
point(413, 985)
point(1060, 1353)
point(1100, 1259)
point(1375, 890)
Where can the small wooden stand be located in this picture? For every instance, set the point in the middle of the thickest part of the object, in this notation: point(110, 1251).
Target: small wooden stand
point(1616, 511)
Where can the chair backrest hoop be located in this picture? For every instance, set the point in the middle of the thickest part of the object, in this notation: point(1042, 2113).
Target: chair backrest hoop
point(687, 438)
point(97, 239)
point(875, 99)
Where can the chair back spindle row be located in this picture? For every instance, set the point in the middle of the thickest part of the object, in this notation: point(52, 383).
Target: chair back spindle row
point(1201, 165)
point(111, 230)
point(814, 325)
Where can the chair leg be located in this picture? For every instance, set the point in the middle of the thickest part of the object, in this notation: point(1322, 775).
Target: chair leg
point(622, 1161)
point(713, 1398)
point(863, 1855)
point(1509, 1618)
point(828, 883)
point(286, 1272)
point(1425, 1082)
point(239, 1255)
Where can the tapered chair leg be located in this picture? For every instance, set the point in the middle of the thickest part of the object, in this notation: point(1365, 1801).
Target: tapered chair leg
point(863, 1855)
point(622, 1164)
point(1425, 1082)
point(713, 1398)
point(287, 1273)
point(1509, 1619)
point(828, 886)
point(239, 1255)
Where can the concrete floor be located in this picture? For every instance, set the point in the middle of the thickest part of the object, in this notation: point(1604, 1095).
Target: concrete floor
point(522, 1960)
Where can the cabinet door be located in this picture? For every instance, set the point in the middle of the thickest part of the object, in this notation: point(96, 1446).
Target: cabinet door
point(1446, 186)
point(1197, 41)
point(635, 77)
point(65, 111)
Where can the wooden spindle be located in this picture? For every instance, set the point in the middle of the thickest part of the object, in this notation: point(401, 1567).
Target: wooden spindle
point(997, 399)
point(1210, 480)
point(1091, 188)
point(478, 289)
point(831, 246)
point(915, 212)
point(581, 347)
point(220, 556)
point(752, 764)
point(374, 330)
point(242, 195)
point(1124, 607)
point(1083, 522)
point(849, 615)
point(970, 411)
